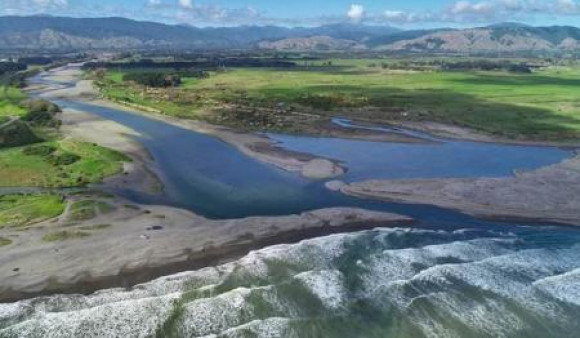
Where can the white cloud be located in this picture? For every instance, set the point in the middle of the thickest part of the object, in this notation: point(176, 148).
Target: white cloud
point(466, 7)
point(154, 3)
point(356, 12)
point(568, 6)
point(50, 3)
point(187, 4)
point(395, 15)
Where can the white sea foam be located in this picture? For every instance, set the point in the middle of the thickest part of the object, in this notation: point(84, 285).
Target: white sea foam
point(327, 285)
point(133, 319)
point(564, 287)
point(489, 284)
point(267, 328)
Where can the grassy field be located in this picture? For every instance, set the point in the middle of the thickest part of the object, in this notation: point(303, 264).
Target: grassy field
point(94, 163)
point(20, 210)
point(542, 105)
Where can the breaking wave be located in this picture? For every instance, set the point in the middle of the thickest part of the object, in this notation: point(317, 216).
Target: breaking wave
point(385, 282)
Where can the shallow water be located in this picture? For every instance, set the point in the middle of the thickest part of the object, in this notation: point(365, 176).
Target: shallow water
point(214, 179)
point(440, 158)
point(453, 276)
point(494, 282)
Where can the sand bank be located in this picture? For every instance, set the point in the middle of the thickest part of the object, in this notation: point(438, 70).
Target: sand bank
point(548, 194)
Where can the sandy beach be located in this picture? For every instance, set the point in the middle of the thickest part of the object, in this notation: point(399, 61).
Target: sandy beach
point(136, 243)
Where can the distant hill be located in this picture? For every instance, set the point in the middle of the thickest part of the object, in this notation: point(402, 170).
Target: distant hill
point(312, 43)
point(498, 38)
point(60, 33)
point(79, 34)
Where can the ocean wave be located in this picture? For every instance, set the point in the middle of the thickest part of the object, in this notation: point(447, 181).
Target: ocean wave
point(388, 282)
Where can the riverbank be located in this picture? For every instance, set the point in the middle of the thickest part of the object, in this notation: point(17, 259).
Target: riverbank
point(125, 244)
point(254, 145)
point(549, 194)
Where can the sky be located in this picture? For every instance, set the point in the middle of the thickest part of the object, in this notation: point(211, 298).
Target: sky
point(407, 14)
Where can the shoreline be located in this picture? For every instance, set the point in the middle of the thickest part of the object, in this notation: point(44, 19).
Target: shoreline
point(143, 242)
point(128, 243)
point(459, 133)
point(129, 252)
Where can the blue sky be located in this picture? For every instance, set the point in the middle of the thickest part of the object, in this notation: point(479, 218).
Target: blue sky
point(401, 13)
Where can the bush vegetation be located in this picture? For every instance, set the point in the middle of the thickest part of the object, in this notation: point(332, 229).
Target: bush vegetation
point(491, 96)
point(154, 79)
point(15, 134)
point(72, 164)
point(42, 150)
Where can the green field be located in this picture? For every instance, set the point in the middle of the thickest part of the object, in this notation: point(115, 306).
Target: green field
point(94, 163)
point(543, 105)
point(20, 210)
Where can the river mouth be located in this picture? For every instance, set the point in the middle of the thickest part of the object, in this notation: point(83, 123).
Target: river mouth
point(450, 276)
point(210, 177)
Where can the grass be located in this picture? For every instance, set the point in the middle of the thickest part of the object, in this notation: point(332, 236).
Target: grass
point(95, 164)
point(543, 105)
point(64, 235)
point(21, 210)
point(10, 99)
point(5, 241)
point(96, 227)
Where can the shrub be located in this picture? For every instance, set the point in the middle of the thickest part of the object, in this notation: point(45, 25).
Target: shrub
point(63, 159)
point(42, 150)
point(42, 118)
point(154, 79)
point(10, 67)
point(41, 105)
point(16, 134)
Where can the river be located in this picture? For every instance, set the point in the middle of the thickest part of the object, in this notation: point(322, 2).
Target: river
point(451, 276)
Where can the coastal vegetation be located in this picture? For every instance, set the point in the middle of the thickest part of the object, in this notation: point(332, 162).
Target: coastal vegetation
point(58, 164)
point(532, 100)
point(88, 209)
point(5, 241)
point(21, 209)
point(10, 99)
point(64, 235)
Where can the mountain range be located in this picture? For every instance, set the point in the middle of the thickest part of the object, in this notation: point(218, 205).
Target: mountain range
point(78, 34)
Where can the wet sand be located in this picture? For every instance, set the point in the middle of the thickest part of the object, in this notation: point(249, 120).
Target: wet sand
point(550, 194)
